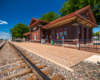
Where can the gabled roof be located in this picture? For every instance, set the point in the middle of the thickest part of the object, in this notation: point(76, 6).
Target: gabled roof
point(28, 33)
point(35, 22)
point(74, 14)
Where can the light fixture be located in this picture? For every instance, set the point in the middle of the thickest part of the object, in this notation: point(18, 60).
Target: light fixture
point(86, 24)
point(75, 24)
point(47, 27)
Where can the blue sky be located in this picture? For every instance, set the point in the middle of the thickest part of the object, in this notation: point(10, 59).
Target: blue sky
point(16, 11)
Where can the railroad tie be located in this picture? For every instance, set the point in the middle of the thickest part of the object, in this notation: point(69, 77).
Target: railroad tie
point(41, 66)
point(10, 61)
point(48, 71)
point(31, 59)
point(14, 68)
point(32, 78)
point(7, 59)
point(16, 54)
point(16, 74)
point(18, 62)
point(26, 55)
point(36, 62)
point(58, 77)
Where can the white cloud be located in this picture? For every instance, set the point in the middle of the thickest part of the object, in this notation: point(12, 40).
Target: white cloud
point(3, 22)
point(5, 35)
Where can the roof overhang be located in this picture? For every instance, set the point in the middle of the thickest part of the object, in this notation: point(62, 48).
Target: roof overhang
point(26, 34)
point(85, 21)
point(38, 22)
point(66, 21)
point(74, 18)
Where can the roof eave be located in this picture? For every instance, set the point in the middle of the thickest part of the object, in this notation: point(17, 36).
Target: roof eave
point(59, 19)
point(38, 22)
point(95, 25)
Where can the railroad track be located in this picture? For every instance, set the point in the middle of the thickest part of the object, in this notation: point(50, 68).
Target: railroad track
point(2, 45)
point(16, 65)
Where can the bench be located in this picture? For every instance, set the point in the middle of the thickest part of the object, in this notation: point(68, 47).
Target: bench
point(58, 42)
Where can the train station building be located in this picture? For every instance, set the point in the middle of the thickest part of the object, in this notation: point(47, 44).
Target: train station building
point(72, 27)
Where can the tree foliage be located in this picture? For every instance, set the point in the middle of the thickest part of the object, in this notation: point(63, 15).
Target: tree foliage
point(18, 30)
point(73, 5)
point(93, 34)
point(1, 39)
point(50, 16)
point(96, 34)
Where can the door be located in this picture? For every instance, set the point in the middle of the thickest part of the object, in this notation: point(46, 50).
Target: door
point(84, 35)
point(49, 36)
point(43, 34)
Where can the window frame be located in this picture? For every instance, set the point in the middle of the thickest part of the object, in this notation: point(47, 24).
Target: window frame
point(57, 31)
point(79, 34)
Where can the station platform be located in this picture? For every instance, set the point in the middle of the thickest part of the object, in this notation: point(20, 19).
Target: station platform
point(64, 57)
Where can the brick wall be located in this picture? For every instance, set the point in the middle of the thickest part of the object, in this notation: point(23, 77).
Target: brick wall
point(27, 38)
point(72, 33)
point(36, 32)
point(87, 31)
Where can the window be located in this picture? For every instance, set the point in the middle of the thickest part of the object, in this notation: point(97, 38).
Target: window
point(65, 34)
point(60, 35)
point(65, 28)
point(61, 29)
point(34, 37)
point(57, 30)
point(85, 16)
point(57, 36)
point(61, 32)
point(78, 28)
point(79, 32)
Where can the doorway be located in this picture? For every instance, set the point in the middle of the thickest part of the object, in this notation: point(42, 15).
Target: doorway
point(43, 34)
point(49, 36)
point(84, 35)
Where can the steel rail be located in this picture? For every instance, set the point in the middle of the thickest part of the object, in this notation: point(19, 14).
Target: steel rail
point(35, 70)
point(2, 45)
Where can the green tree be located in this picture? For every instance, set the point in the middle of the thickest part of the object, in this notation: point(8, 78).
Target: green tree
point(50, 16)
point(97, 34)
point(1, 39)
point(18, 30)
point(93, 34)
point(73, 5)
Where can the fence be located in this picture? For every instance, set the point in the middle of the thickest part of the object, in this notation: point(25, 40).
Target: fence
point(19, 39)
point(92, 45)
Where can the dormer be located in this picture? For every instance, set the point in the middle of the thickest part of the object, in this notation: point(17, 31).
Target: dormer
point(87, 13)
point(37, 23)
point(84, 15)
